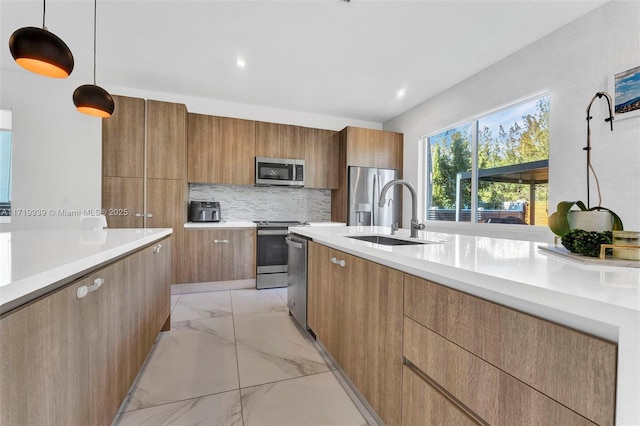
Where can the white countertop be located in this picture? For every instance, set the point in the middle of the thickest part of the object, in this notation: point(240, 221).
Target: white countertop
point(600, 300)
point(34, 262)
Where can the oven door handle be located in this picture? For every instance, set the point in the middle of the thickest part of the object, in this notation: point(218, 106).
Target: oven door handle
point(293, 243)
point(273, 232)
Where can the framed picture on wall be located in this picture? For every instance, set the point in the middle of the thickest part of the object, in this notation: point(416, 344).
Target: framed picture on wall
point(624, 86)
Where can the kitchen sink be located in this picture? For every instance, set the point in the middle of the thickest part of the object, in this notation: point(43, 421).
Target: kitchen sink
point(387, 241)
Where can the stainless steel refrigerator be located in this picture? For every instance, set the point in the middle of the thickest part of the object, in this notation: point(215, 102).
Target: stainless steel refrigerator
point(365, 184)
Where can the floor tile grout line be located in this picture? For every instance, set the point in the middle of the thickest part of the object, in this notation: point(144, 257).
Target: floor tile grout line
point(235, 345)
point(183, 400)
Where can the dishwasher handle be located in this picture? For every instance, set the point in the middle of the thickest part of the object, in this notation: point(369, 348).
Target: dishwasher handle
point(294, 243)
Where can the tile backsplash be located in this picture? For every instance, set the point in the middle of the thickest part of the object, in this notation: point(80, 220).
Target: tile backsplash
point(266, 202)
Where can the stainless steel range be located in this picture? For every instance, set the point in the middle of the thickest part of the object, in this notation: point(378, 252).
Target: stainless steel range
point(272, 253)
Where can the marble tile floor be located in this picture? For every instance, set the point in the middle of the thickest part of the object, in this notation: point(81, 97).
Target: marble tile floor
point(236, 357)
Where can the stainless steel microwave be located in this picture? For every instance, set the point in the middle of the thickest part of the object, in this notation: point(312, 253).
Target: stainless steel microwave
point(279, 171)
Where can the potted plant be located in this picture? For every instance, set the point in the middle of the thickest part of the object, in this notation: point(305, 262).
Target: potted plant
point(585, 229)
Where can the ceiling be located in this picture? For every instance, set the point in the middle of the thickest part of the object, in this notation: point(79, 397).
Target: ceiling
point(325, 57)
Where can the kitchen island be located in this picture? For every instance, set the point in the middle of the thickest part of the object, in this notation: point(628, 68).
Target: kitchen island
point(601, 301)
point(81, 310)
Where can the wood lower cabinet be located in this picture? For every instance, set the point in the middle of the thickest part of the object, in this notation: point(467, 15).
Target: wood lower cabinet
point(530, 369)
point(70, 361)
point(355, 310)
point(424, 405)
point(219, 254)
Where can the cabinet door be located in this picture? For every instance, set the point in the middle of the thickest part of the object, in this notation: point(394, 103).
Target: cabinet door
point(203, 251)
point(372, 323)
point(123, 139)
point(373, 148)
point(238, 151)
point(204, 149)
point(123, 202)
point(321, 158)
point(279, 140)
point(423, 404)
point(291, 141)
point(43, 363)
point(158, 274)
point(324, 305)
point(166, 140)
point(238, 259)
point(167, 207)
point(267, 139)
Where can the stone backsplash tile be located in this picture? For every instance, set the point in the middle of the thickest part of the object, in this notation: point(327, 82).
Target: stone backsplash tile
point(266, 203)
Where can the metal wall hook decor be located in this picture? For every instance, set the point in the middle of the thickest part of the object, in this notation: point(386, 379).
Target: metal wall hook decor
point(590, 169)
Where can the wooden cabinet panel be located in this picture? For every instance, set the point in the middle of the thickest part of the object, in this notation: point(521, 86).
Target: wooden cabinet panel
point(71, 361)
point(123, 139)
point(120, 195)
point(321, 158)
point(491, 394)
point(238, 259)
point(279, 140)
point(37, 385)
point(572, 368)
point(424, 405)
point(219, 254)
point(374, 148)
point(238, 151)
point(325, 304)
point(354, 305)
point(166, 140)
point(167, 207)
point(204, 148)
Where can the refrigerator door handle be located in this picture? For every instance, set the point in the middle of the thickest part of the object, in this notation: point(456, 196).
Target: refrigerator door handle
point(374, 198)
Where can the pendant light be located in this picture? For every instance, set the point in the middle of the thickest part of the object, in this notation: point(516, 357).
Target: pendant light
point(89, 98)
point(39, 51)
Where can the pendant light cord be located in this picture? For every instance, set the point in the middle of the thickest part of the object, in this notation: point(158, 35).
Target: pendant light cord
point(44, 11)
point(95, 14)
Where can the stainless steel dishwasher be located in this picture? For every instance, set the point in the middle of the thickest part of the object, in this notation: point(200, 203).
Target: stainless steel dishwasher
point(297, 278)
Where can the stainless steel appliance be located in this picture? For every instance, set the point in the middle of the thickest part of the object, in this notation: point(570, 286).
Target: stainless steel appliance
point(272, 253)
point(279, 171)
point(365, 184)
point(297, 278)
point(204, 211)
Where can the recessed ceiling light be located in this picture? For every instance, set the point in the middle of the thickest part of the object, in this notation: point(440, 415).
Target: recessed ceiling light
point(240, 63)
point(400, 93)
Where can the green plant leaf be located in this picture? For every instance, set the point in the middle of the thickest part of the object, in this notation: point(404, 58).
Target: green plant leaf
point(559, 220)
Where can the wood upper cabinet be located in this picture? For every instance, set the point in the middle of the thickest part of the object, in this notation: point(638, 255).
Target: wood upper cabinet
point(373, 148)
point(354, 306)
point(166, 140)
point(219, 254)
point(123, 139)
point(279, 140)
point(321, 158)
point(221, 150)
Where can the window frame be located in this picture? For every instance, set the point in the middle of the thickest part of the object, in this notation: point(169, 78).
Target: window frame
point(6, 119)
point(473, 123)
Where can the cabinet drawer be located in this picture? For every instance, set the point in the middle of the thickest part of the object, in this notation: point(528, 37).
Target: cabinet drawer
point(422, 404)
point(571, 367)
point(492, 394)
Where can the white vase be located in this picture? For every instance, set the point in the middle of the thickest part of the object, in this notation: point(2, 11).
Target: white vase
point(593, 220)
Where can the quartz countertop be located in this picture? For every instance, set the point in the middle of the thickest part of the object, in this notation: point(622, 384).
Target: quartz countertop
point(35, 262)
point(600, 300)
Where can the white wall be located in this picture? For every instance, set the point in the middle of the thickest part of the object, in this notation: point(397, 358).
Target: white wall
point(573, 63)
point(57, 151)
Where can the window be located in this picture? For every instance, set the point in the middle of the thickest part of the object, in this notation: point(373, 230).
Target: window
point(5, 164)
point(495, 166)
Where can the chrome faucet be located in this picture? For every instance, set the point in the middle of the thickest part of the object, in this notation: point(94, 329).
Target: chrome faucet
point(415, 225)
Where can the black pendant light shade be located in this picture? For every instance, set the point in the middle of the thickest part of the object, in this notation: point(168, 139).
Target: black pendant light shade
point(41, 52)
point(93, 100)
